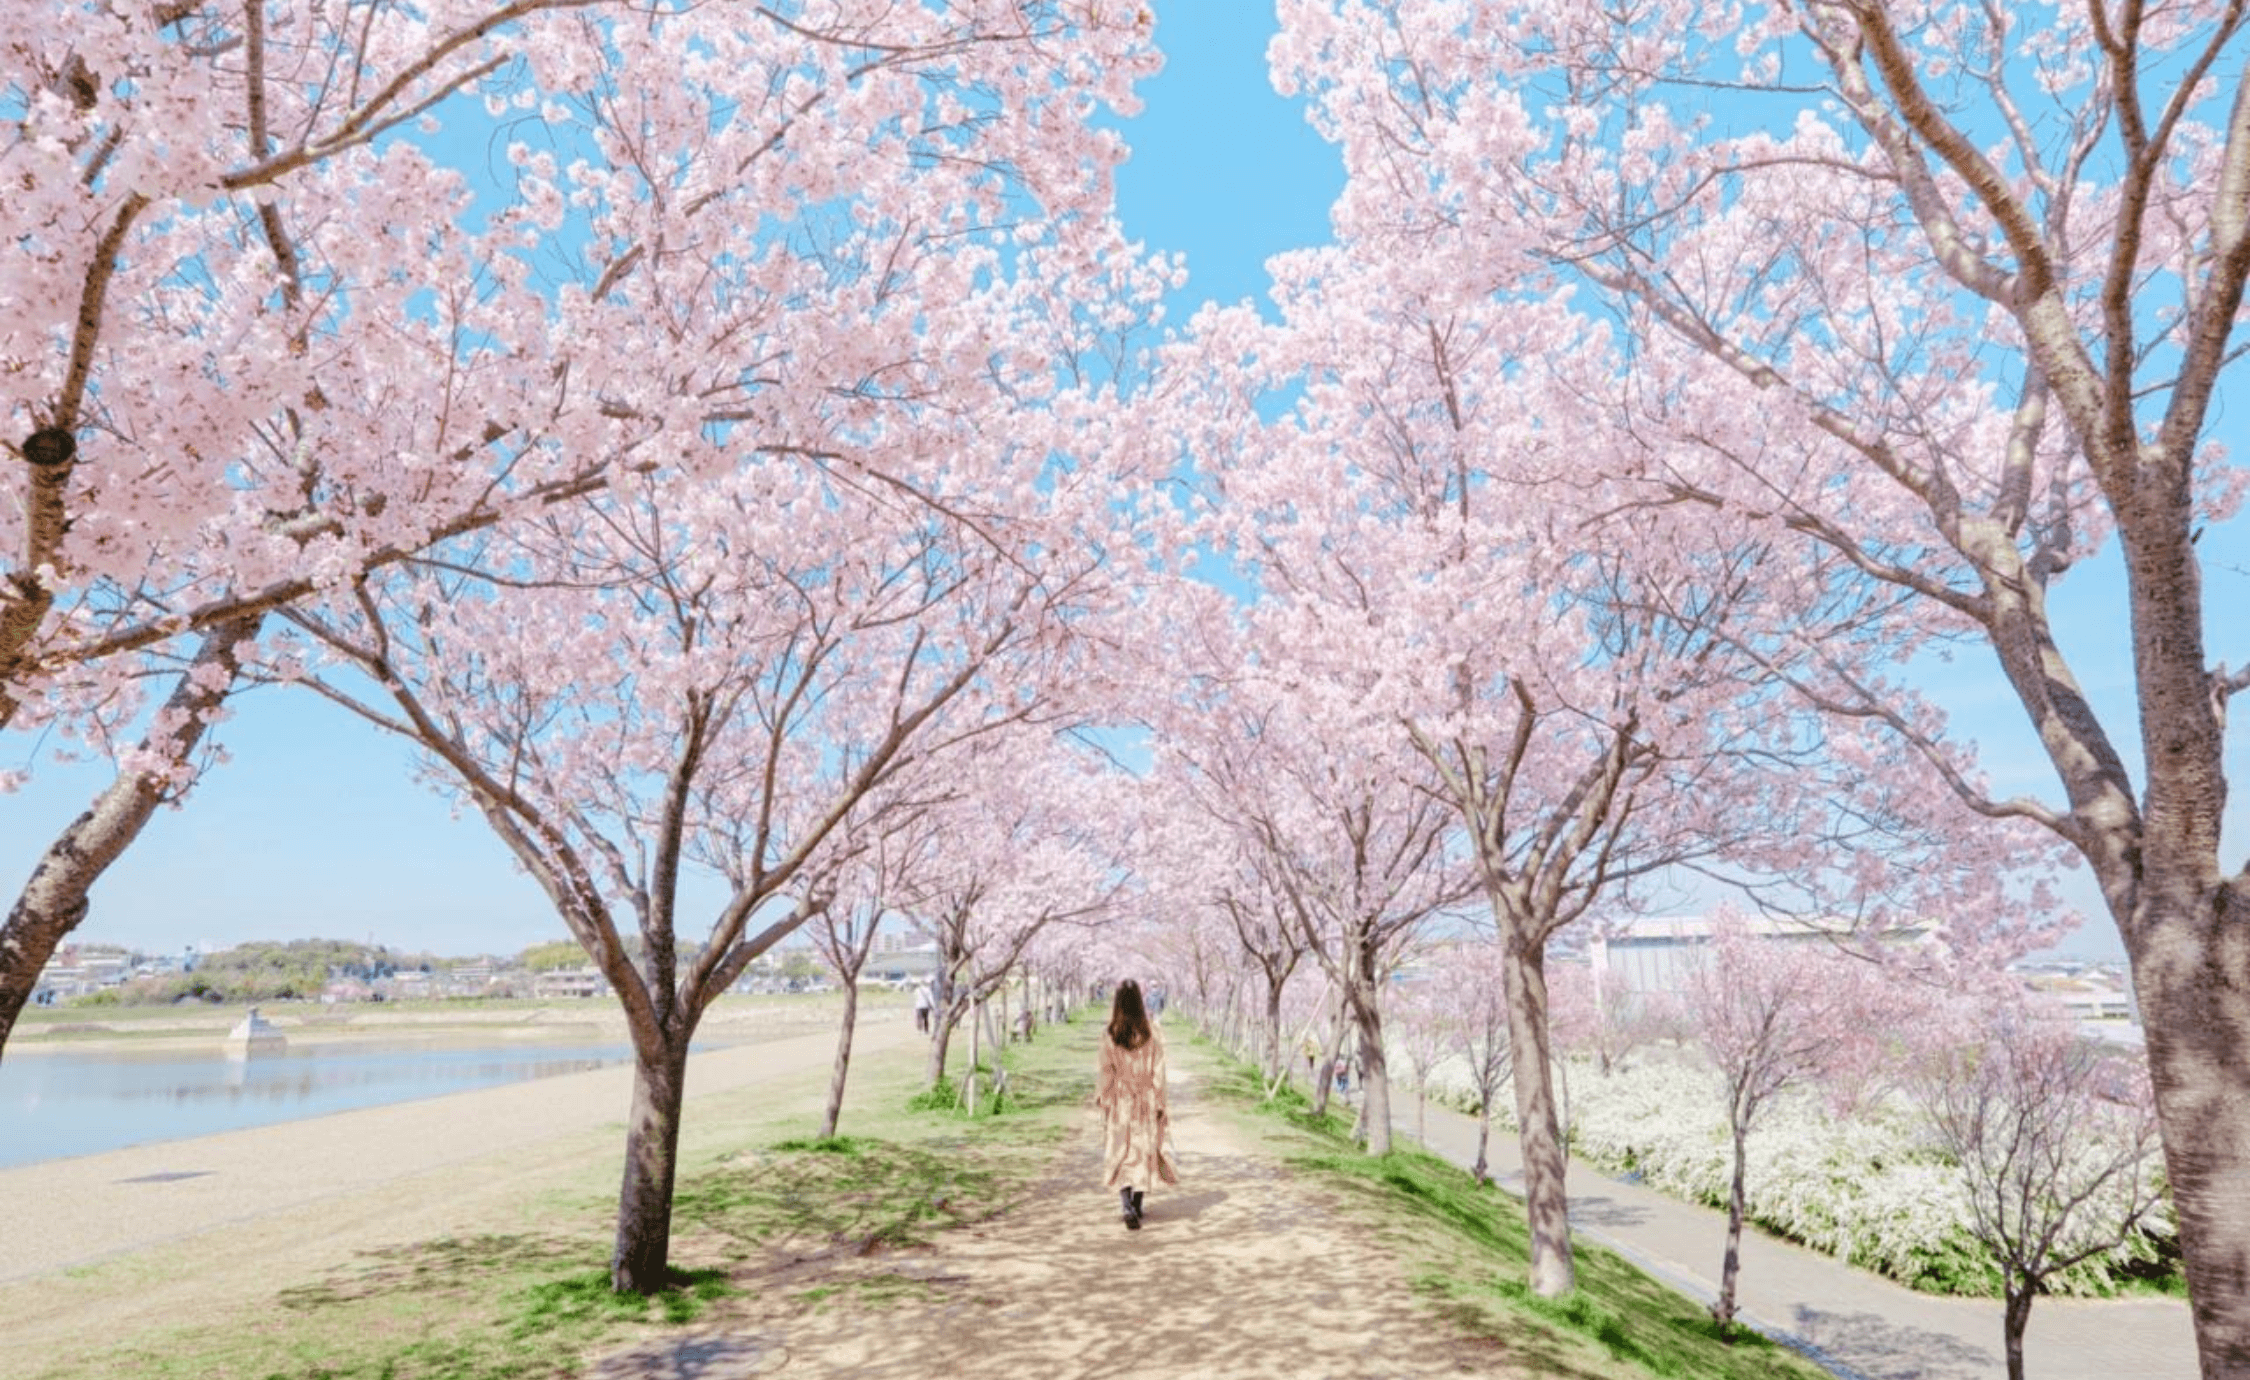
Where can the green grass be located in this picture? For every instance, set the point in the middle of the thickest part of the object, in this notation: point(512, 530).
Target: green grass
point(764, 1211)
point(479, 1308)
point(1473, 1257)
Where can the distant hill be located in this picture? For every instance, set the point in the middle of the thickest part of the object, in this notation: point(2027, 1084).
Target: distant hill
point(271, 970)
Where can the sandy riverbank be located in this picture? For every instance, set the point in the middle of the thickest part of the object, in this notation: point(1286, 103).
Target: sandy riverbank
point(731, 1020)
point(104, 1245)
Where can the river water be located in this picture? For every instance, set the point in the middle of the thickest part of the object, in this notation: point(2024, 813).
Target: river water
point(57, 1103)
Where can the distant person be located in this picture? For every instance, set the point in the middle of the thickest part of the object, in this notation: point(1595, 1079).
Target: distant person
point(1129, 1090)
point(922, 1007)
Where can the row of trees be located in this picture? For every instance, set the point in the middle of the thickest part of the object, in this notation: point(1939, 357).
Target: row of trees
point(689, 501)
point(687, 504)
point(2052, 1138)
point(1939, 300)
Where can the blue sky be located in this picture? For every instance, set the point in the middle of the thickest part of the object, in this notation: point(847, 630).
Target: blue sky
point(317, 827)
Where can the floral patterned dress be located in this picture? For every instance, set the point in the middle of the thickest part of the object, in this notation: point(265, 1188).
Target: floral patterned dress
point(1130, 1093)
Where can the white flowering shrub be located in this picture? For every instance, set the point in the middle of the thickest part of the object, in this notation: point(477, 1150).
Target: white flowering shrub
point(1867, 1187)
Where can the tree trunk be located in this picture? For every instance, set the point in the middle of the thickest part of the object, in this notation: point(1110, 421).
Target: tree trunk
point(1731, 1265)
point(2185, 921)
point(1276, 1059)
point(1422, 1110)
point(2181, 914)
point(652, 1143)
point(1545, 1197)
point(57, 898)
point(843, 1062)
point(941, 1035)
point(976, 1037)
point(1324, 1077)
point(1479, 1171)
point(1563, 1122)
point(2195, 1002)
point(2014, 1315)
point(1374, 1073)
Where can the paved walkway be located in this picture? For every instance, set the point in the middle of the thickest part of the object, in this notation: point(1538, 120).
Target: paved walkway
point(1862, 1326)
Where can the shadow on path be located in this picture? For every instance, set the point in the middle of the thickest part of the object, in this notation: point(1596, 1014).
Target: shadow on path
point(1241, 1271)
point(1883, 1349)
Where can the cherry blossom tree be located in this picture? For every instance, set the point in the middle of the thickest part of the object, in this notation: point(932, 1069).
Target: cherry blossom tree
point(1208, 874)
point(1585, 682)
point(1422, 1028)
point(2056, 1139)
point(1469, 986)
point(1348, 836)
point(882, 849)
point(654, 683)
point(265, 339)
point(205, 351)
point(1942, 295)
point(1594, 1011)
point(1772, 1010)
point(1029, 847)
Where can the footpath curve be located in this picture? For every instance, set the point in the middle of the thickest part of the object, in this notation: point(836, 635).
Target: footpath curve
point(1858, 1324)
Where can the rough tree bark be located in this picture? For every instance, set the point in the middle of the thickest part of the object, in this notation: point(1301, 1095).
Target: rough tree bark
point(57, 899)
point(639, 1255)
point(2015, 1316)
point(1554, 1271)
point(1324, 1077)
point(1730, 1266)
point(941, 1036)
point(1374, 1070)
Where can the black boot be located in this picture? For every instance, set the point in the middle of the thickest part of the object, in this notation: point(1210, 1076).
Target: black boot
point(1137, 1196)
point(1127, 1202)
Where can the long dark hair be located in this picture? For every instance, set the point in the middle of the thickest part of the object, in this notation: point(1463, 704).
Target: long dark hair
point(1128, 1019)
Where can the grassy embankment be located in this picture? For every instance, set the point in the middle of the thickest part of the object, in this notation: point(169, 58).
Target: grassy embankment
point(765, 1217)
point(1471, 1254)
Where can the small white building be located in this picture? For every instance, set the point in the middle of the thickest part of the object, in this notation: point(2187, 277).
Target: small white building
point(1654, 953)
point(571, 982)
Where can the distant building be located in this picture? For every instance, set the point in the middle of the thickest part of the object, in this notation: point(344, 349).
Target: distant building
point(570, 982)
point(469, 980)
point(1656, 953)
point(2085, 992)
point(914, 964)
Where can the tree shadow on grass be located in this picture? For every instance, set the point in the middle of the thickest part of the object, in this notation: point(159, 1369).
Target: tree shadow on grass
point(859, 1195)
point(451, 1264)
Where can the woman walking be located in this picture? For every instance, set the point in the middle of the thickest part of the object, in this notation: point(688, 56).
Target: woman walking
point(1130, 1093)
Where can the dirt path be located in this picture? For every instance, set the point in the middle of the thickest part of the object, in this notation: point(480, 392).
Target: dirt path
point(1241, 1271)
